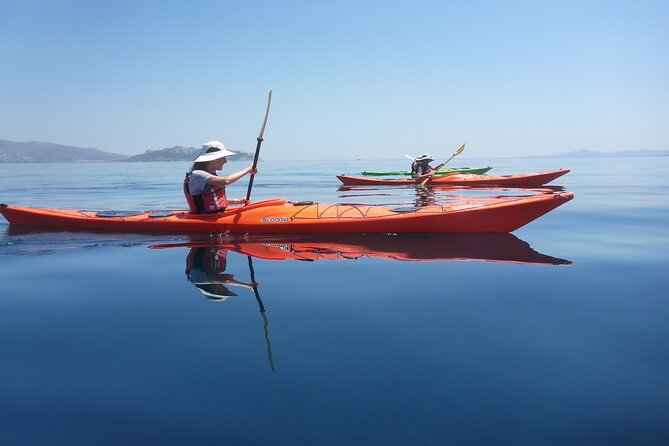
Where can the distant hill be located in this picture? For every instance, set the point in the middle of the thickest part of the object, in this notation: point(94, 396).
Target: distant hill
point(46, 152)
point(179, 153)
point(621, 154)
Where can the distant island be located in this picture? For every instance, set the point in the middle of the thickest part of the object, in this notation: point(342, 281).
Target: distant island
point(45, 152)
point(179, 153)
point(620, 154)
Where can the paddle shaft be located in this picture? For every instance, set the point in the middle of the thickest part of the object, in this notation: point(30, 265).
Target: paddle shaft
point(255, 164)
point(255, 285)
point(262, 313)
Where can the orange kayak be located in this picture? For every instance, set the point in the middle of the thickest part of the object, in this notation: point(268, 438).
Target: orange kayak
point(496, 214)
point(519, 180)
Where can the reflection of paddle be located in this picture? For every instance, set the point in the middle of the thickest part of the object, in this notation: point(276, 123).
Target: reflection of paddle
point(457, 152)
point(262, 313)
point(260, 138)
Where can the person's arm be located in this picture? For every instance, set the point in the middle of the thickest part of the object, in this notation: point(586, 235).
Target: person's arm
point(229, 279)
point(243, 284)
point(229, 179)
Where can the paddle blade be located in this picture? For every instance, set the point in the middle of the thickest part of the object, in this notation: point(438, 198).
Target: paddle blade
point(460, 150)
point(262, 130)
point(410, 157)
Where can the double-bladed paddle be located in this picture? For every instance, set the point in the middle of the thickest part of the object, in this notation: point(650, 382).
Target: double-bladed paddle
point(457, 152)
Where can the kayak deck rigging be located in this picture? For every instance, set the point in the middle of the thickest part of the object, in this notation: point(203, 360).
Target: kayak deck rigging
point(305, 211)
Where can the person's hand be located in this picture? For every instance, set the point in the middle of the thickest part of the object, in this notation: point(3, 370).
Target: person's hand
point(253, 170)
point(246, 201)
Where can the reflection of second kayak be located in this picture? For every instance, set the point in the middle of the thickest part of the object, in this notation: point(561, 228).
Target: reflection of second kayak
point(490, 247)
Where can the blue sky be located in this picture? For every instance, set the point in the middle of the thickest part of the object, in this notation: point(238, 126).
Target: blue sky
point(351, 79)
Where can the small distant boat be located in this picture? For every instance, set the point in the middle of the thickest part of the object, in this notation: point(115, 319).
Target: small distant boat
point(456, 179)
point(399, 173)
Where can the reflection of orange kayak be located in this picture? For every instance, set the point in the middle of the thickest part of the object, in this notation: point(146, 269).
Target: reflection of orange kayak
point(408, 247)
point(520, 180)
point(495, 214)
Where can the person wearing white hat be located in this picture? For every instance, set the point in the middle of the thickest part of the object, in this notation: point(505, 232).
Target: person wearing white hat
point(421, 169)
point(204, 190)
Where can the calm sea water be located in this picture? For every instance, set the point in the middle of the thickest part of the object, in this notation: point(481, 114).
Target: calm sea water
point(555, 335)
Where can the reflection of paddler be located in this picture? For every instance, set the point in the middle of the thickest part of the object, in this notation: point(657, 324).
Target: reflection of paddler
point(425, 197)
point(205, 268)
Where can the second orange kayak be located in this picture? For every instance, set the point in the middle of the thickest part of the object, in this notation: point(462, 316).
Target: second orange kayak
point(519, 180)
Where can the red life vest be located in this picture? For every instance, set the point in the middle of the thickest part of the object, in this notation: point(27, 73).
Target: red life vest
point(424, 169)
point(210, 201)
point(209, 260)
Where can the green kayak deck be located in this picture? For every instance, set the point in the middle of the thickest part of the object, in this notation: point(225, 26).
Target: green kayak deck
point(476, 170)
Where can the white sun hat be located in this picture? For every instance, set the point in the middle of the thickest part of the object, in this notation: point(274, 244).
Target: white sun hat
point(424, 157)
point(214, 151)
